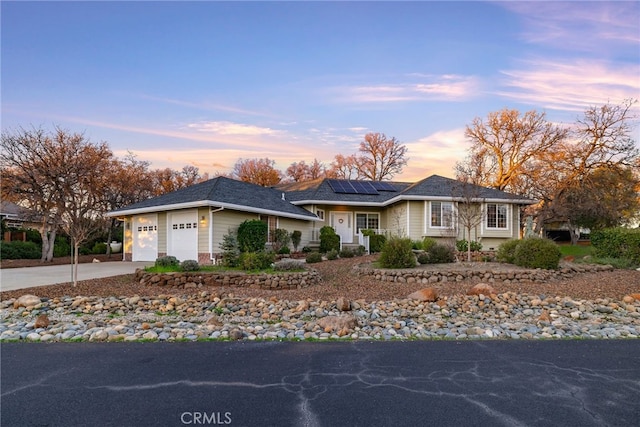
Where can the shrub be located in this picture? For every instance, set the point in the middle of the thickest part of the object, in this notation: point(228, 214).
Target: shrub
point(167, 261)
point(507, 251)
point(306, 250)
point(423, 258)
point(397, 253)
point(252, 235)
point(617, 243)
point(281, 239)
point(360, 251)
point(99, 248)
point(288, 265)
point(428, 243)
point(296, 236)
point(347, 253)
point(61, 247)
point(230, 250)
point(190, 265)
point(284, 250)
point(19, 250)
point(534, 252)
point(314, 257)
point(256, 260)
point(441, 254)
point(332, 254)
point(463, 246)
point(376, 243)
point(33, 236)
point(328, 239)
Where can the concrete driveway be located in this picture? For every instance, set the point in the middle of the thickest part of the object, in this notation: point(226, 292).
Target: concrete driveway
point(29, 277)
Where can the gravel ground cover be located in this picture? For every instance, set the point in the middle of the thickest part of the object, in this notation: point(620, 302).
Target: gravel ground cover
point(338, 281)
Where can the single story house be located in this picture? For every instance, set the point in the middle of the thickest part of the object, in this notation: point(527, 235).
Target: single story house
point(190, 223)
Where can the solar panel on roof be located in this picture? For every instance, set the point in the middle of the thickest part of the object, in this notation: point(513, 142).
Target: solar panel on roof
point(364, 187)
point(342, 186)
point(383, 186)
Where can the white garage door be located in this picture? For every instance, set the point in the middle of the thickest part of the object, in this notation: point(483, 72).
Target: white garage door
point(183, 235)
point(145, 238)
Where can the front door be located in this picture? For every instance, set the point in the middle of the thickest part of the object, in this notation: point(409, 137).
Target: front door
point(343, 224)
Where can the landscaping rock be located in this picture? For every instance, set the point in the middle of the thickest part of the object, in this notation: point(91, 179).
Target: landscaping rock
point(26, 301)
point(482, 289)
point(343, 304)
point(42, 321)
point(427, 294)
point(337, 323)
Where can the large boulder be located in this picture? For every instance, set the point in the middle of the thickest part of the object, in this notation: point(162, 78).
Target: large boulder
point(337, 323)
point(343, 304)
point(26, 301)
point(42, 321)
point(426, 294)
point(482, 289)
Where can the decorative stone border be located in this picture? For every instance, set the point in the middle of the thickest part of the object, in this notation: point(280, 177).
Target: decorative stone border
point(476, 273)
point(198, 279)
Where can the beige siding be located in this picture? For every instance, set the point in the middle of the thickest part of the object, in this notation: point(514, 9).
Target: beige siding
point(162, 232)
point(291, 225)
point(226, 220)
point(416, 220)
point(203, 230)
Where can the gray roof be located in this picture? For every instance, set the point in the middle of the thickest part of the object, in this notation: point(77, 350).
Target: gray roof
point(221, 192)
point(435, 186)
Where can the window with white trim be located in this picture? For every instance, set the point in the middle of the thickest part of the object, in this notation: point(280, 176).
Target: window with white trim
point(442, 214)
point(497, 216)
point(367, 221)
point(320, 213)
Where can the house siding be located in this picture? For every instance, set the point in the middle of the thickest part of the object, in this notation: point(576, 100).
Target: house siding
point(226, 220)
point(203, 231)
point(162, 232)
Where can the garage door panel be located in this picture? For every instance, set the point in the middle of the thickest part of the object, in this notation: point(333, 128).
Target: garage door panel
point(183, 240)
point(145, 238)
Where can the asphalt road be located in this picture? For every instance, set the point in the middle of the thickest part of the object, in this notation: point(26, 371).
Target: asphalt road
point(418, 383)
point(28, 277)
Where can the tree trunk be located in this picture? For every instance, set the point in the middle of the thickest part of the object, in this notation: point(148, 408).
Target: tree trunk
point(76, 248)
point(109, 236)
point(48, 235)
point(575, 235)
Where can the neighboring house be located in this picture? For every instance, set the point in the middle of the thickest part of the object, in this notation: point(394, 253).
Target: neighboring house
point(15, 216)
point(190, 223)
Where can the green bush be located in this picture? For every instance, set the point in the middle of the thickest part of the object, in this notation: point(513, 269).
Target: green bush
point(306, 250)
point(61, 247)
point(463, 246)
point(534, 252)
point(19, 250)
point(441, 254)
point(314, 257)
point(296, 236)
point(189, 265)
point(428, 243)
point(251, 261)
point(281, 239)
point(167, 261)
point(284, 250)
point(617, 243)
point(376, 242)
point(423, 258)
point(397, 253)
point(99, 248)
point(252, 235)
point(360, 251)
point(507, 251)
point(230, 250)
point(33, 236)
point(347, 253)
point(328, 239)
point(332, 254)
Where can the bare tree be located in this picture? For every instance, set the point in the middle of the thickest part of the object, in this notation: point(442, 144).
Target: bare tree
point(257, 171)
point(504, 144)
point(470, 210)
point(63, 176)
point(345, 167)
point(381, 157)
point(167, 180)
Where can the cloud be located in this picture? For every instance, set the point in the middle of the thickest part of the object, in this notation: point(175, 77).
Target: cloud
point(230, 128)
point(435, 154)
point(572, 85)
point(207, 106)
point(578, 25)
point(446, 87)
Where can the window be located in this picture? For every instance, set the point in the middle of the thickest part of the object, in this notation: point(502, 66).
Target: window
point(272, 224)
point(367, 221)
point(442, 214)
point(320, 213)
point(496, 216)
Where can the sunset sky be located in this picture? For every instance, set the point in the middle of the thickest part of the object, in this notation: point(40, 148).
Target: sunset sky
point(206, 83)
